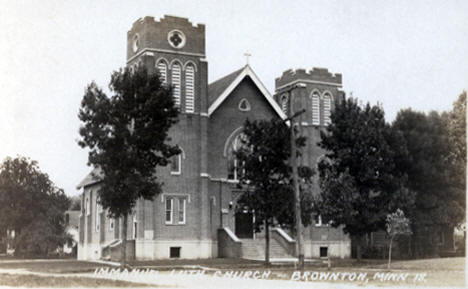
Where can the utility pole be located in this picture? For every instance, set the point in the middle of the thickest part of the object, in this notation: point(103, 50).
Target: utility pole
point(297, 196)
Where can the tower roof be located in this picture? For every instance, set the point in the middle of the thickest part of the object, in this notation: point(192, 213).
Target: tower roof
point(219, 90)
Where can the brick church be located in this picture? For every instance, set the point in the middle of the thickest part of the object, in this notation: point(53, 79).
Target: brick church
point(195, 216)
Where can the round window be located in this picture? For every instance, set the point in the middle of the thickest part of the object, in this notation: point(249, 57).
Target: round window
point(176, 38)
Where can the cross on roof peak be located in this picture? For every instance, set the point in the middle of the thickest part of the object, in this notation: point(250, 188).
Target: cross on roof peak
point(247, 55)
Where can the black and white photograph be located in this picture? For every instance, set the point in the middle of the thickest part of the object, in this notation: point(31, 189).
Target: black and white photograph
point(233, 144)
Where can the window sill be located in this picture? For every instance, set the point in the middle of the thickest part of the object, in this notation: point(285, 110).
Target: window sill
point(175, 173)
point(171, 224)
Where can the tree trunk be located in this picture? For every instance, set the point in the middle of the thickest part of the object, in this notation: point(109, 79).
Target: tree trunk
point(267, 243)
point(390, 253)
point(358, 248)
point(410, 251)
point(123, 248)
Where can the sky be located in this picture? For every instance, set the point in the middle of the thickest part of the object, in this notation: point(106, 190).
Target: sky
point(398, 53)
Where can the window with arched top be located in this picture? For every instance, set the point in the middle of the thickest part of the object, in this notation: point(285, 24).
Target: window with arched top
point(98, 215)
point(284, 103)
point(315, 108)
point(326, 108)
point(176, 163)
point(176, 71)
point(234, 167)
point(190, 89)
point(162, 68)
point(135, 227)
point(87, 206)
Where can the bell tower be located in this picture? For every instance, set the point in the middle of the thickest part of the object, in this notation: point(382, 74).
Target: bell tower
point(176, 48)
point(317, 91)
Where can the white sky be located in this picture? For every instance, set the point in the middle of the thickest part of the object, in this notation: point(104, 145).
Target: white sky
point(400, 53)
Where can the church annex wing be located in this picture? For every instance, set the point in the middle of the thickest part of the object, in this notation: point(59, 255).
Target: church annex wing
point(219, 90)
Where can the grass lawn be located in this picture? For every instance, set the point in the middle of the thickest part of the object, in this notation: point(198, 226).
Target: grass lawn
point(29, 280)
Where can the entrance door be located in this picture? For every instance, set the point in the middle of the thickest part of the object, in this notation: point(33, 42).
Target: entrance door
point(244, 225)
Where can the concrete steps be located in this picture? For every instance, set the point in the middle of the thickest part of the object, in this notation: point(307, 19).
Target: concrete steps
point(255, 249)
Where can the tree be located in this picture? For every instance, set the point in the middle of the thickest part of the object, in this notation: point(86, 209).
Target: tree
point(433, 174)
point(457, 136)
point(127, 137)
point(265, 176)
point(29, 198)
point(358, 180)
point(456, 127)
point(397, 224)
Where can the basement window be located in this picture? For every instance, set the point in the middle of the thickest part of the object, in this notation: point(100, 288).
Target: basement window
point(174, 252)
point(323, 252)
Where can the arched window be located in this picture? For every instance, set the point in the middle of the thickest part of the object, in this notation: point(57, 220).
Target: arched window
point(88, 207)
point(326, 108)
point(284, 103)
point(234, 168)
point(111, 224)
point(189, 89)
point(176, 162)
point(98, 215)
point(315, 108)
point(135, 227)
point(176, 69)
point(162, 68)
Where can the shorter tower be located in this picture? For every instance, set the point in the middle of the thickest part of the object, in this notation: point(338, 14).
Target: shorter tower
point(317, 91)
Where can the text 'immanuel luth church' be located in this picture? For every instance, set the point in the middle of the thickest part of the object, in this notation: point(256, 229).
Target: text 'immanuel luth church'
point(195, 216)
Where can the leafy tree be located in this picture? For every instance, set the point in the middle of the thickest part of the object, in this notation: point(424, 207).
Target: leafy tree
point(456, 127)
point(430, 167)
point(397, 224)
point(265, 175)
point(29, 198)
point(457, 138)
point(358, 180)
point(127, 137)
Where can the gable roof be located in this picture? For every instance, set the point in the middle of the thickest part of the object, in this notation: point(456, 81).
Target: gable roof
point(219, 90)
point(92, 178)
point(216, 88)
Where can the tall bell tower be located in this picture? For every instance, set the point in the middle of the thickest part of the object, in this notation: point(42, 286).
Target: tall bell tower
point(175, 48)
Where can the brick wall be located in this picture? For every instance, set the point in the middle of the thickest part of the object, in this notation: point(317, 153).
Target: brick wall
point(227, 118)
point(153, 34)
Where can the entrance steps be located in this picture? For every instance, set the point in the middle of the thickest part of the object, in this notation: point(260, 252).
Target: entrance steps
point(255, 249)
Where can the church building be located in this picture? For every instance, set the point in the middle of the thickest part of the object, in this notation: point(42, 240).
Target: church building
point(195, 216)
